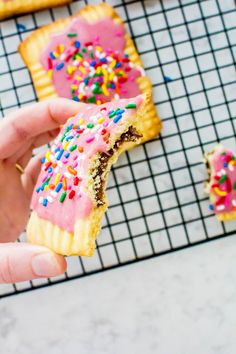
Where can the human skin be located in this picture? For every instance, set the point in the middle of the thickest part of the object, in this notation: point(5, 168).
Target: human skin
point(20, 133)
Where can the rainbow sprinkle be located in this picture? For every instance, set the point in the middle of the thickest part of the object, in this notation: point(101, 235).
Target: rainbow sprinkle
point(223, 181)
point(61, 175)
point(96, 74)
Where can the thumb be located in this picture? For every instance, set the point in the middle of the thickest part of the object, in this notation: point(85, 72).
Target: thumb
point(22, 261)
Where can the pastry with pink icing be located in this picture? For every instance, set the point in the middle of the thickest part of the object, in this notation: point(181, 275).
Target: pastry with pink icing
point(89, 58)
point(14, 7)
point(69, 200)
point(221, 165)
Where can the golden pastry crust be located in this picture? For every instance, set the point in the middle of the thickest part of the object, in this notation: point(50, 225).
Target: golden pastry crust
point(31, 49)
point(82, 241)
point(208, 160)
point(16, 7)
point(227, 216)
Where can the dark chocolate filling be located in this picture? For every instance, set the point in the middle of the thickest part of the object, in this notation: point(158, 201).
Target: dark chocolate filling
point(98, 174)
point(208, 167)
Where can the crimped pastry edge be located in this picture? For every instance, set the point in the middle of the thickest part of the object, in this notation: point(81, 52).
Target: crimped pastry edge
point(30, 50)
point(8, 9)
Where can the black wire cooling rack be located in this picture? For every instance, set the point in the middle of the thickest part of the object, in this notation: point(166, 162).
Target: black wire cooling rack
point(157, 202)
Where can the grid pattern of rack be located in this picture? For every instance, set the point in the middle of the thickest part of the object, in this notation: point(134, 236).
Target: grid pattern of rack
point(157, 202)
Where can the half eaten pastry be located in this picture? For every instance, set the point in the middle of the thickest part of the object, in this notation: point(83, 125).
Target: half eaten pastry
point(69, 200)
point(221, 186)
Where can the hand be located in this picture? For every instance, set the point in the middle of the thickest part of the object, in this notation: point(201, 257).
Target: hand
point(20, 133)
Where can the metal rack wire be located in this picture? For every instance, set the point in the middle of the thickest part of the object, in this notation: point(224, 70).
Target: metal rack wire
point(157, 203)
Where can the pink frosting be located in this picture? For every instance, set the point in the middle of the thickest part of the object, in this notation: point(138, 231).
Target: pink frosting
point(103, 40)
point(223, 181)
point(69, 156)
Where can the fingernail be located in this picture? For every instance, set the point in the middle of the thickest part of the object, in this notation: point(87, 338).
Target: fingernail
point(45, 265)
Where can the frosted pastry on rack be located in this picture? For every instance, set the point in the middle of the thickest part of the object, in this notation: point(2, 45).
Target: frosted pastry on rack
point(69, 200)
point(221, 165)
point(14, 7)
point(89, 58)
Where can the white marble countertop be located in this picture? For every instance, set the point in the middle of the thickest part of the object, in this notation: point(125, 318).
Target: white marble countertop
point(180, 303)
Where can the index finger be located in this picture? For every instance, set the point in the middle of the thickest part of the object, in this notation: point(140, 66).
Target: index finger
point(31, 121)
